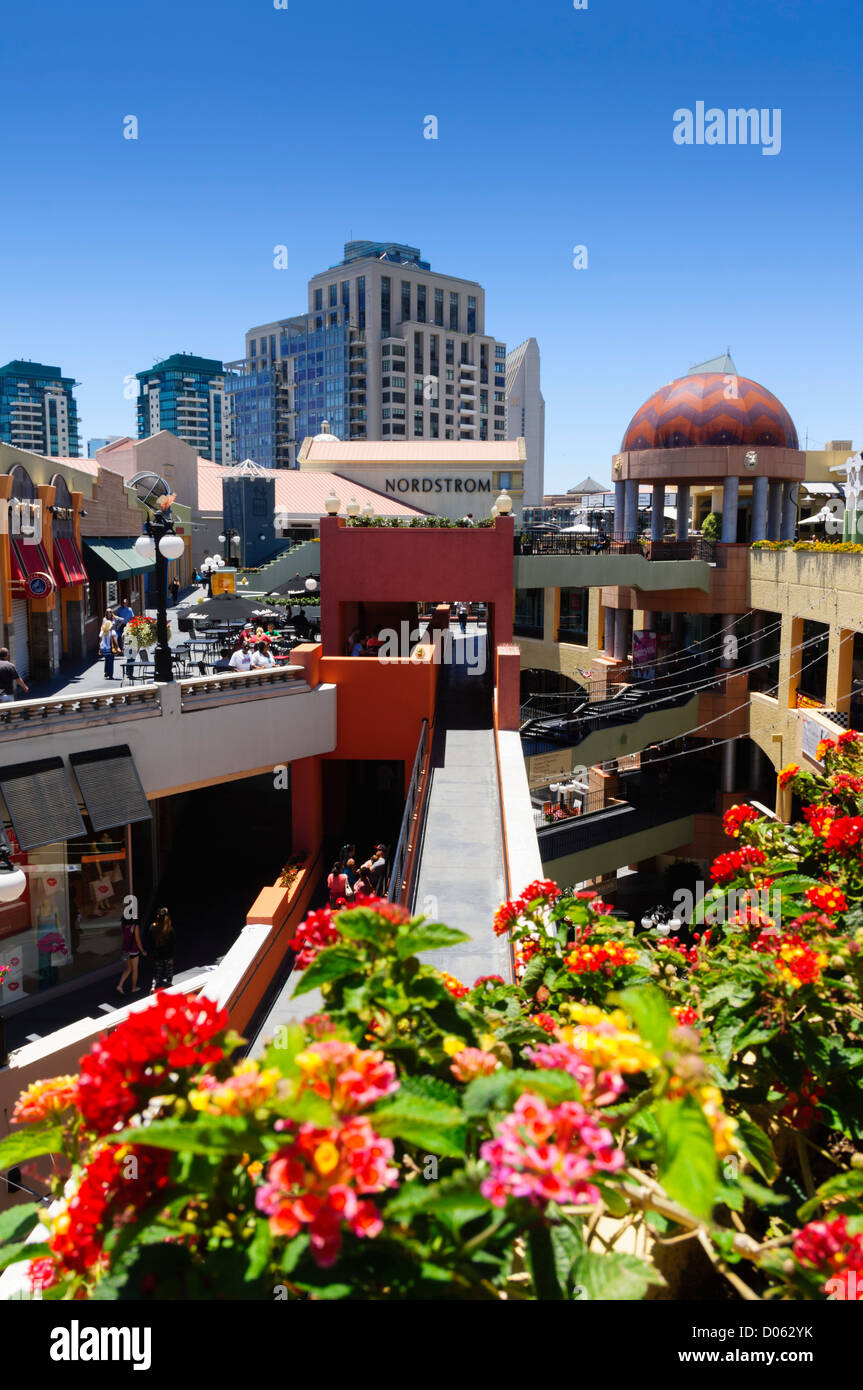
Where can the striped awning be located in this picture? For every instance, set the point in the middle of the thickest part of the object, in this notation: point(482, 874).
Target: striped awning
point(68, 565)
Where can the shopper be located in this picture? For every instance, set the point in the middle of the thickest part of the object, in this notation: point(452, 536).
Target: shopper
point(378, 869)
point(9, 677)
point(224, 662)
point(261, 659)
point(109, 646)
point(132, 952)
point(242, 658)
point(162, 941)
point(175, 590)
point(122, 615)
point(338, 888)
point(462, 616)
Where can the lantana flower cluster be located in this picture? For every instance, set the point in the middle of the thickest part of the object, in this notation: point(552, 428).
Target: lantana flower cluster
point(796, 962)
point(521, 911)
point(608, 956)
point(548, 1154)
point(830, 1248)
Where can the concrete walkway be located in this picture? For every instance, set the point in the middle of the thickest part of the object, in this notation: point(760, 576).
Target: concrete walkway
point(461, 874)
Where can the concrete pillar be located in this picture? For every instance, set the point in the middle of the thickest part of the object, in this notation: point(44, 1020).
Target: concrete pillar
point(728, 759)
point(621, 634)
point(774, 510)
point(789, 511)
point(683, 500)
point(730, 498)
point(840, 662)
point(630, 521)
point(790, 660)
point(648, 620)
point(754, 766)
point(657, 517)
point(619, 509)
point(759, 509)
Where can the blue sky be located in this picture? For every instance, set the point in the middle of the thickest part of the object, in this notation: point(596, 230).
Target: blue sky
point(304, 126)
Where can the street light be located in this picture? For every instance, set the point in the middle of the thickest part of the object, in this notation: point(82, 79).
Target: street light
point(332, 503)
point(311, 585)
point(160, 542)
point(228, 536)
point(504, 504)
point(368, 511)
point(13, 880)
point(353, 507)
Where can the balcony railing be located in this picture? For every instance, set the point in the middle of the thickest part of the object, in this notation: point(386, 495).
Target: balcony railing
point(536, 542)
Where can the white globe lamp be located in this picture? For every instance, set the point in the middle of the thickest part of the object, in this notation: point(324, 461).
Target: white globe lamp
point(172, 547)
point(146, 547)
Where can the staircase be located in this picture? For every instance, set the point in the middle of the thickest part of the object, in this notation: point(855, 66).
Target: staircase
point(303, 559)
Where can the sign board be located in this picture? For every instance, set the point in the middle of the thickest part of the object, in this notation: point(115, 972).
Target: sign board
point(224, 581)
point(547, 767)
point(643, 648)
point(810, 737)
point(39, 585)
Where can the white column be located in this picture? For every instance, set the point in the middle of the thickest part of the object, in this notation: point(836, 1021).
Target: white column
point(759, 509)
point(619, 509)
point(630, 523)
point(683, 496)
point(610, 621)
point(657, 517)
point(789, 511)
point(730, 497)
point(774, 510)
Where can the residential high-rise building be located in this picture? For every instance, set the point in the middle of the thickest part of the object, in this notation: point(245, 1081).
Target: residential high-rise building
point(38, 410)
point(525, 414)
point(186, 395)
point(102, 442)
point(387, 349)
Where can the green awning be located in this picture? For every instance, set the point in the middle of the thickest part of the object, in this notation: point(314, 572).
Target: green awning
point(115, 557)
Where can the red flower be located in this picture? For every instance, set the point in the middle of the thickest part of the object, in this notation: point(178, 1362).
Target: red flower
point(826, 897)
point(828, 1246)
point(123, 1068)
point(818, 818)
point(544, 1021)
point(488, 980)
point(843, 834)
point(736, 817)
point(313, 936)
point(116, 1184)
point(728, 866)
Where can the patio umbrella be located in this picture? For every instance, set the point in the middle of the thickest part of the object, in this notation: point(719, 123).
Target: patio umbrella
point(235, 608)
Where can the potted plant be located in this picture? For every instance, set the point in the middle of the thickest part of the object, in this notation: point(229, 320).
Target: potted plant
point(141, 632)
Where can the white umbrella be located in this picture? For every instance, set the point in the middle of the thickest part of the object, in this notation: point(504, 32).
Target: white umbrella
point(579, 529)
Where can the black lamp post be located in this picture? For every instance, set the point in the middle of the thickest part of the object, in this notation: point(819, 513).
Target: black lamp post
point(159, 542)
point(227, 540)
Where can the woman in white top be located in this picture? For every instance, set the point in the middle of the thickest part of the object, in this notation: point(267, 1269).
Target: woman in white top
point(261, 659)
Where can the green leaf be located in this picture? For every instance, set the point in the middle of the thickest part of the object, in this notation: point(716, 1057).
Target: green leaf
point(756, 1147)
point(455, 1197)
point(207, 1135)
point(650, 1012)
point(430, 1086)
point(612, 1277)
point(792, 883)
point(485, 1092)
point(762, 1196)
point(23, 1250)
point(613, 1199)
point(534, 974)
point(17, 1221)
point(848, 1184)
point(294, 1251)
point(285, 1046)
point(259, 1249)
point(332, 964)
point(428, 937)
point(687, 1164)
point(30, 1142)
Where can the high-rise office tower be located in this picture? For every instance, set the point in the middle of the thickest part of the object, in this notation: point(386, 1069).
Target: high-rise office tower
point(525, 414)
point(38, 410)
point(186, 395)
point(387, 349)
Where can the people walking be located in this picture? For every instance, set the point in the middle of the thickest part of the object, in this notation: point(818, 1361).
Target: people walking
point(9, 677)
point(132, 951)
point(162, 938)
point(175, 590)
point(462, 616)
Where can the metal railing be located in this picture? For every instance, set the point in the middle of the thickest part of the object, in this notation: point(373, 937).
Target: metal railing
point(394, 890)
point(536, 542)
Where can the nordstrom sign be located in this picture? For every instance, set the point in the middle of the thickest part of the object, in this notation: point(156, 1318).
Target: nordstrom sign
point(438, 485)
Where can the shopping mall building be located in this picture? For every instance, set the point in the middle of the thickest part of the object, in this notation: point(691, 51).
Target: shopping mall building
point(628, 695)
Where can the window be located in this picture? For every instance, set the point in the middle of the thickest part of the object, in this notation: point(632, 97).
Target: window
point(334, 296)
point(528, 613)
point(449, 421)
point(438, 307)
point(346, 295)
point(385, 364)
point(500, 381)
point(471, 313)
point(574, 607)
point(406, 299)
point(499, 350)
point(453, 310)
point(385, 396)
point(448, 434)
point(385, 414)
point(504, 480)
point(418, 392)
point(434, 425)
point(386, 290)
point(450, 351)
point(397, 381)
point(450, 376)
point(398, 414)
point(385, 381)
point(500, 410)
point(421, 303)
point(499, 395)
point(419, 353)
point(399, 396)
point(398, 429)
point(361, 302)
point(483, 354)
point(398, 350)
point(319, 299)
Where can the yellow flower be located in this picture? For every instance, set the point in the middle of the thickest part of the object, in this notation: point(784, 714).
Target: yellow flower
point(326, 1157)
point(452, 1044)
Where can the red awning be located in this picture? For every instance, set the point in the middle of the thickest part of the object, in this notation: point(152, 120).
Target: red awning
point(67, 562)
point(32, 576)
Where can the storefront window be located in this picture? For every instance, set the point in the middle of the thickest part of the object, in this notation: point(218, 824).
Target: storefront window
point(529, 612)
point(574, 606)
point(69, 920)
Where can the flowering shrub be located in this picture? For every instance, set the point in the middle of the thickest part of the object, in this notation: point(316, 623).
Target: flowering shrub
point(141, 632)
point(422, 1137)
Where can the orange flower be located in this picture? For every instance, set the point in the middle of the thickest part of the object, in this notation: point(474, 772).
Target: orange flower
point(43, 1099)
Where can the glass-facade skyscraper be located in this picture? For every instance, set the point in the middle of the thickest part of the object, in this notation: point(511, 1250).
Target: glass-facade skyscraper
point(38, 410)
point(387, 349)
point(186, 395)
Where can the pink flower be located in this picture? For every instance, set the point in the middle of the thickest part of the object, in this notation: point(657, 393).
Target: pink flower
point(548, 1154)
point(471, 1062)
